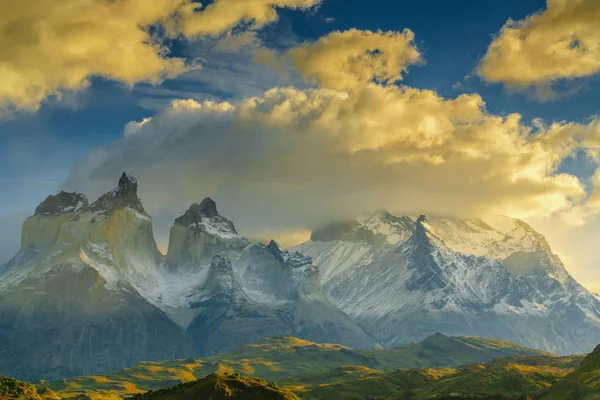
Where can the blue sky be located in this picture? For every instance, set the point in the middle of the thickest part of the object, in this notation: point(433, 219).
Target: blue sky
point(39, 149)
point(453, 36)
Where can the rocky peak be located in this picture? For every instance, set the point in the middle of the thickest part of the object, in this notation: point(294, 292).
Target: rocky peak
point(198, 212)
point(208, 208)
point(421, 235)
point(293, 260)
point(274, 248)
point(220, 279)
point(204, 217)
point(421, 250)
point(128, 182)
point(62, 203)
point(123, 196)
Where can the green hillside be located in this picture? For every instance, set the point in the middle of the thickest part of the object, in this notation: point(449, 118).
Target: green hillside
point(281, 358)
point(582, 384)
point(12, 389)
point(514, 377)
point(221, 387)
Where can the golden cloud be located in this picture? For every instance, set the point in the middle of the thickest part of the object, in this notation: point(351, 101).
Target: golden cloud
point(222, 15)
point(293, 159)
point(49, 46)
point(343, 60)
point(562, 42)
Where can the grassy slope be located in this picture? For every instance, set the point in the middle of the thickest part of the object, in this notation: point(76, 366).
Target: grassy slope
point(581, 384)
point(512, 376)
point(221, 387)
point(281, 358)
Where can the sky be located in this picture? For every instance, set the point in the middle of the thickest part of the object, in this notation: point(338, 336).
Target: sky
point(291, 113)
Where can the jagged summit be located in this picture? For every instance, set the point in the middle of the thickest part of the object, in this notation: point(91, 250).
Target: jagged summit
point(429, 274)
point(220, 280)
point(291, 259)
point(197, 214)
point(62, 203)
point(127, 181)
point(200, 234)
point(208, 207)
point(122, 197)
point(420, 233)
point(274, 248)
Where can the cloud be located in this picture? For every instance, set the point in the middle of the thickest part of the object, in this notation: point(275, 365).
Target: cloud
point(292, 159)
point(223, 15)
point(49, 47)
point(343, 60)
point(560, 43)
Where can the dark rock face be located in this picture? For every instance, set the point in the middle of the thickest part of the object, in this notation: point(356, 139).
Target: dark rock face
point(200, 234)
point(62, 203)
point(227, 316)
point(123, 196)
point(69, 324)
point(205, 211)
point(291, 281)
point(428, 274)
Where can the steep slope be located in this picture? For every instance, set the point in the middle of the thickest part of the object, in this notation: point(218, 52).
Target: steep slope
point(408, 278)
point(289, 283)
point(74, 299)
point(583, 383)
point(221, 387)
point(281, 359)
point(200, 234)
point(248, 292)
point(226, 316)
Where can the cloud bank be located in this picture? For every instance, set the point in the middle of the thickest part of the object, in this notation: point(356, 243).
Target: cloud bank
point(561, 42)
point(294, 159)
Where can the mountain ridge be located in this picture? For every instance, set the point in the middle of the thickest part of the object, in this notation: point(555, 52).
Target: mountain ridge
point(380, 280)
point(455, 275)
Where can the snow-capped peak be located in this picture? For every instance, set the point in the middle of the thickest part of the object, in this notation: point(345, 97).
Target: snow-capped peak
point(395, 229)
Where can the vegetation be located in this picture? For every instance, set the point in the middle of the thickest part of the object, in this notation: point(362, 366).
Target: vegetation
point(509, 378)
point(513, 378)
point(279, 359)
point(221, 387)
point(12, 389)
point(582, 384)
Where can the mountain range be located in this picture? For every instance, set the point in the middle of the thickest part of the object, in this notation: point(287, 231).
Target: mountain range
point(406, 278)
point(90, 292)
